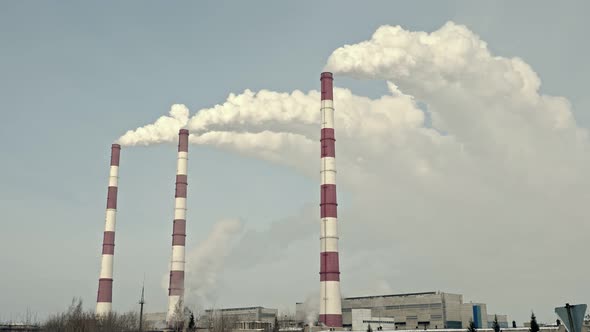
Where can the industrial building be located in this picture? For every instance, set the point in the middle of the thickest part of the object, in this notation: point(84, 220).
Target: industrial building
point(510, 329)
point(427, 310)
point(246, 318)
point(243, 319)
point(243, 315)
point(362, 319)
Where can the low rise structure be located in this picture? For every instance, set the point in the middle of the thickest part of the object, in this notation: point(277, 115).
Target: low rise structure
point(246, 318)
point(237, 319)
point(425, 310)
point(362, 319)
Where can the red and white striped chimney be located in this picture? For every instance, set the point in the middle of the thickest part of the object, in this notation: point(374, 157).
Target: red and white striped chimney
point(176, 288)
point(104, 299)
point(330, 300)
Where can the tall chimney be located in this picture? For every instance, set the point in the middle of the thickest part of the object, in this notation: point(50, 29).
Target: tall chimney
point(176, 288)
point(330, 301)
point(104, 299)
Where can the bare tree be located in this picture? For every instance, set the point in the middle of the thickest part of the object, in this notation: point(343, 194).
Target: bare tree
point(178, 318)
point(75, 319)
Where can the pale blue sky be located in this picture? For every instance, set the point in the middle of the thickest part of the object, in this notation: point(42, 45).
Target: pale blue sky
point(74, 76)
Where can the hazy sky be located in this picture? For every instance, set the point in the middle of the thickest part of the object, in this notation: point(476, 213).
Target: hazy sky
point(76, 76)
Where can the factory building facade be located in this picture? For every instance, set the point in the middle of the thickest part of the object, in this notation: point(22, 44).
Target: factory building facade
point(426, 310)
point(246, 318)
point(362, 319)
point(243, 319)
point(246, 314)
point(411, 311)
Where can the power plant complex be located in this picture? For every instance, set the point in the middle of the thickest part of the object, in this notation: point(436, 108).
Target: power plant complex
point(330, 300)
point(412, 311)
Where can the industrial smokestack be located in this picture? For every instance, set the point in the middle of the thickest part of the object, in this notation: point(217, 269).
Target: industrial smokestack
point(104, 299)
point(330, 300)
point(176, 288)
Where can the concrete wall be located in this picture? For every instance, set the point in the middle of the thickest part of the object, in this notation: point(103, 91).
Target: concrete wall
point(453, 305)
point(362, 318)
point(466, 314)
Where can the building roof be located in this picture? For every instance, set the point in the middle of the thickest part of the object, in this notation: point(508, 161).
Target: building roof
point(234, 309)
point(390, 295)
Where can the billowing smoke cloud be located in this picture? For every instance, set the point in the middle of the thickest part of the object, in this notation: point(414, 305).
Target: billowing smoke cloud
point(282, 127)
point(463, 175)
point(165, 129)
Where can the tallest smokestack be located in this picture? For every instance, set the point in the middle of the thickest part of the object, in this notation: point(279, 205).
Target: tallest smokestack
point(330, 301)
point(176, 289)
point(104, 299)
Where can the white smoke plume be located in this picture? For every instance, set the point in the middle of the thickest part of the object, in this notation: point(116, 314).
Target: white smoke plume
point(205, 263)
point(310, 309)
point(463, 175)
point(165, 129)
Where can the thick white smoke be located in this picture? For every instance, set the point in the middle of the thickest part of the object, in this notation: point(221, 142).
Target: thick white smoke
point(165, 129)
point(463, 175)
point(206, 261)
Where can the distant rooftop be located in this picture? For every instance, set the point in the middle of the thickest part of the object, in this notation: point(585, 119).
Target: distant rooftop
point(390, 295)
point(234, 309)
point(509, 329)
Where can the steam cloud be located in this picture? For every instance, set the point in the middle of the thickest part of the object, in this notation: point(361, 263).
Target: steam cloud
point(207, 260)
point(463, 170)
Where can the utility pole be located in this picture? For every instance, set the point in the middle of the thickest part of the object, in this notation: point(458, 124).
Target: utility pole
point(141, 303)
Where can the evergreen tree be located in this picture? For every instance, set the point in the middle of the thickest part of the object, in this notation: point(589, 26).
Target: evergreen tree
point(369, 329)
point(191, 322)
point(514, 324)
point(534, 325)
point(496, 325)
point(471, 327)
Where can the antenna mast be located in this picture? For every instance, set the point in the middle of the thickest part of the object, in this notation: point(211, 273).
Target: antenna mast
point(141, 303)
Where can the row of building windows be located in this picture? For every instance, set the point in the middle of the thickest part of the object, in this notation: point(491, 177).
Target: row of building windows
point(409, 317)
point(378, 321)
point(415, 306)
point(403, 306)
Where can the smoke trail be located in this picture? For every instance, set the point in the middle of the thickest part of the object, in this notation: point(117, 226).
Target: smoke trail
point(282, 127)
point(205, 262)
point(165, 129)
point(310, 309)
